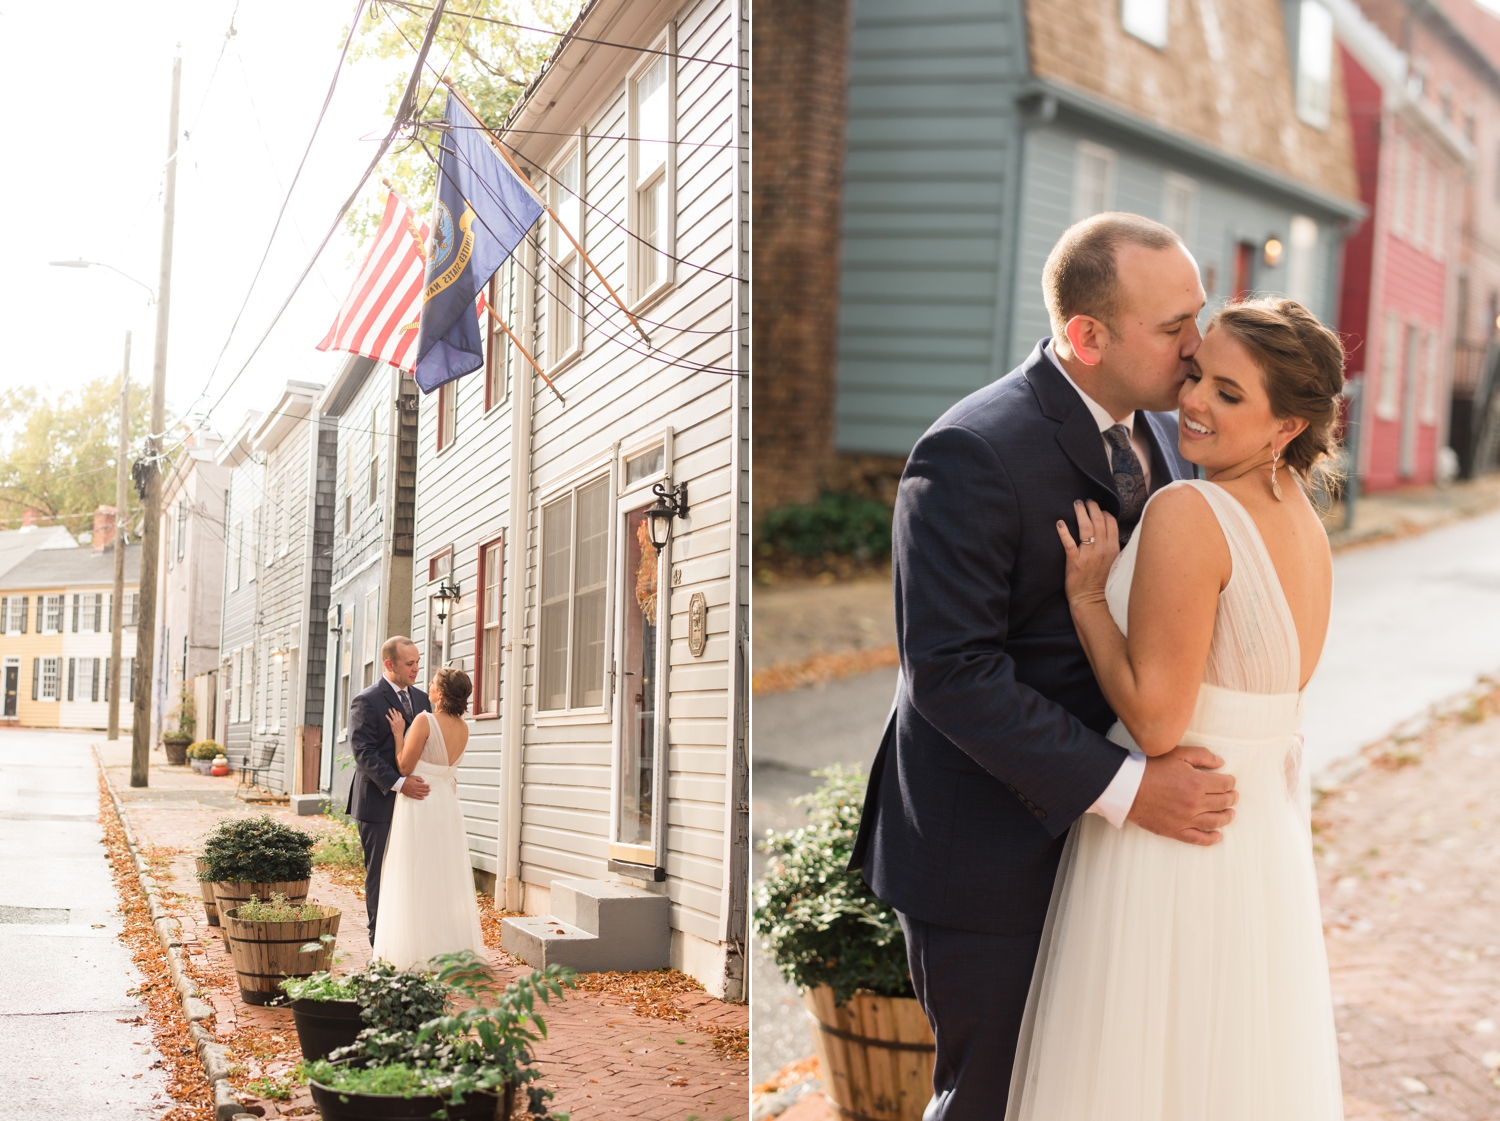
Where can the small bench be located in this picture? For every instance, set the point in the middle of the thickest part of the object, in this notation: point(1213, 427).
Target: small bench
point(257, 762)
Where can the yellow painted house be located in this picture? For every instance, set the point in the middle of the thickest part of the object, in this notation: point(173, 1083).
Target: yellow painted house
point(55, 609)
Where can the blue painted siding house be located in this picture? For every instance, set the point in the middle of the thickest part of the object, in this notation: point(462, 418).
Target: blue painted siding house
point(978, 130)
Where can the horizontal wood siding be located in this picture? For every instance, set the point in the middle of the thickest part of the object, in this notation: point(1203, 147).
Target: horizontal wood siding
point(237, 624)
point(927, 186)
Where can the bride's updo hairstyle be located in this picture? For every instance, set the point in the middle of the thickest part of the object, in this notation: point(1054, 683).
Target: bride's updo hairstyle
point(453, 686)
point(1302, 363)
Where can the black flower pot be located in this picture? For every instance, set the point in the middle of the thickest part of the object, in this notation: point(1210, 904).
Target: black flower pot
point(340, 1105)
point(325, 1025)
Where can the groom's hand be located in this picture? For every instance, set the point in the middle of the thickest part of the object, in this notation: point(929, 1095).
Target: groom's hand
point(1181, 797)
point(414, 787)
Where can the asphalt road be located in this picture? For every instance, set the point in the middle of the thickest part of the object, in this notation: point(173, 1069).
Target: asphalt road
point(63, 1051)
point(1414, 622)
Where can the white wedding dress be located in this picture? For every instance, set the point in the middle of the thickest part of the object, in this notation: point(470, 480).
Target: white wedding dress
point(1176, 982)
point(427, 896)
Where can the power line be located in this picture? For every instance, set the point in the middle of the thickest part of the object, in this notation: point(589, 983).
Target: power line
point(570, 37)
point(286, 199)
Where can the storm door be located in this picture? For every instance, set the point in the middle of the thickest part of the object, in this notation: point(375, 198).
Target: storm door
point(12, 685)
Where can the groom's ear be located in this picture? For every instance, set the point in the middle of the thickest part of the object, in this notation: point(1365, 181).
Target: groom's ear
point(1087, 338)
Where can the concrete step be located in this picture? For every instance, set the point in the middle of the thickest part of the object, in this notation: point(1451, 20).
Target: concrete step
point(595, 926)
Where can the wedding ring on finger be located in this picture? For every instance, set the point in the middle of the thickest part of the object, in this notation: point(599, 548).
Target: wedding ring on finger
point(1087, 541)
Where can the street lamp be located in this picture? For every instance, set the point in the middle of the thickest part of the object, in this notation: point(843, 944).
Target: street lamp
point(80, 263)
point(671, 502)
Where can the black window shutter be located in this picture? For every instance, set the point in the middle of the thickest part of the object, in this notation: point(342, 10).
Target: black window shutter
point(98, 612)
point(4, 614)
point(36, 678)
point(25, 614)
point(106, 680)
point(76, 598)
point(72, 668)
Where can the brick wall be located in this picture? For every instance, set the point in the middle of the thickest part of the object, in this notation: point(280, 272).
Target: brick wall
point(800, 58)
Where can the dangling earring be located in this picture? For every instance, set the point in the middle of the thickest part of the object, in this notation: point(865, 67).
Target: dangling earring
point(1275, 486)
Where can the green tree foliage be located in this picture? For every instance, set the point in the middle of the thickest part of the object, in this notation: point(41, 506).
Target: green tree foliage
point(490, 64)
point(57, 455)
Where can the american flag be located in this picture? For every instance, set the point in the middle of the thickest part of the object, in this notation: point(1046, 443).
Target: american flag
point(379, 316)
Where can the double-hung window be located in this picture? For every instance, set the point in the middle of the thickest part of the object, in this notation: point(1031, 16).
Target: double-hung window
point(374, 480)
point(447, 413)
point(498, 347)
point(45, 675)
point(487, 660)
point(49, 615)
point(575, 547)
point(568, 270)
point(1147, 20)
point(372, 636)
point(1314, 62)
point(652, 120)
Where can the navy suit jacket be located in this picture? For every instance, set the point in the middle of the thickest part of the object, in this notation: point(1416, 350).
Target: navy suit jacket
point(996, 741)
point(374, 748)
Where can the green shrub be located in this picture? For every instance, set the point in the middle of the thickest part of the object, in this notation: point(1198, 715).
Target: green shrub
point(204, 749)
point(339, 847)
point(257, 850)
point(323, 986)
point(835, 525)
point(821, 924)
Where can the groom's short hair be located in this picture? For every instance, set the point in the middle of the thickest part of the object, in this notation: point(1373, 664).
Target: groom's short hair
point(1080, 278)
point(390, 649)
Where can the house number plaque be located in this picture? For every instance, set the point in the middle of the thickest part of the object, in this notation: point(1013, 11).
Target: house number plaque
point(697, 624)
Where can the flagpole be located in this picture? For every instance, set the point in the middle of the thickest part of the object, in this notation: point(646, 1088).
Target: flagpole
point(499, 147)
point(496, 315)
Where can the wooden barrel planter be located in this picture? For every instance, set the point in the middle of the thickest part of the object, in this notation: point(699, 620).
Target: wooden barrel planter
point(340, 1105)
point(875, 1053)
point(325, 1025)
point(266, 953)
point(229, 894)
point(206, 889)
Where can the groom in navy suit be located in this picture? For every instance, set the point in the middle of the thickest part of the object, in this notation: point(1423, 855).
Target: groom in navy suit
point(996, 744)
point(377, 781)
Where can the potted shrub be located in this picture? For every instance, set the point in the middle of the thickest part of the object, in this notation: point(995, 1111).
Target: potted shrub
point(272, 940)
point(176, 742)
point(832, 938)
point(257, 856)
point(202, 755)
point(418, 1059)
point(206, 889)
point(326, 1010)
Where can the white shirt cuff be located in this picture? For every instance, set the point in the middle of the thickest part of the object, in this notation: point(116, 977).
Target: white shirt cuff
point(396, 787)
point(1114, 804)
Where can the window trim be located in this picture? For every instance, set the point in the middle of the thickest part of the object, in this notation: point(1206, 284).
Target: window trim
point(447, 399)
point(584, 475)
point(1111, 158)
point(1139, 31)
point(563, 256)
point(636, 297)
point(498, 347)
point(481, 624)
point(1316, 114)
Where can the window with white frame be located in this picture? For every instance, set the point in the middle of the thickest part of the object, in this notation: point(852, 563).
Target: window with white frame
point(1146, 20)
point(566, 332)
point(1301, 267)
point(575, 546)
point(132, 606)
point(374, 480)
point(1314, 62)
point(652, 121)
point(1093, 180)
point(487, 658)
point(1387, 402)
point(49, 614)
point(49, 671)
point(372, 637)
point(1179, 200)
point(498, 347)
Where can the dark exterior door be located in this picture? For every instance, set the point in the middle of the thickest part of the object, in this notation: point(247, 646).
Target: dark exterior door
point(12, 686)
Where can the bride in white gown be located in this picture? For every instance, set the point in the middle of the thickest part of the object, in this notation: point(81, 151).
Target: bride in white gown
point(427, 900)
point(1178, 982)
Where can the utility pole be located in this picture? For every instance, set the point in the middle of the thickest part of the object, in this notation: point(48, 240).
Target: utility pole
point(117, 610)
point(150, 476)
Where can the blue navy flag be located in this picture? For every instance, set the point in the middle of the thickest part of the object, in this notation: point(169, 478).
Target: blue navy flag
point(483, 211)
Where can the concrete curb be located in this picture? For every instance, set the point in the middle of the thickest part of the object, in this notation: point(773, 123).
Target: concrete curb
point(213, 1055)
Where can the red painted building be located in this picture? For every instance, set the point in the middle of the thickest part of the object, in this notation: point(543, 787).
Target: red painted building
point(1400, 275)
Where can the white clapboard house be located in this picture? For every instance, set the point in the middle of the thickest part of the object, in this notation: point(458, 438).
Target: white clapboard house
point(607, 771)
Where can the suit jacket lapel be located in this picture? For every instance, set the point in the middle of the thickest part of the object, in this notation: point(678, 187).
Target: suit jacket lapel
point(1078, 435)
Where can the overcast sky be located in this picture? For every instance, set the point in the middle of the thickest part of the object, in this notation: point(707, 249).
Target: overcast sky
point(89, 85)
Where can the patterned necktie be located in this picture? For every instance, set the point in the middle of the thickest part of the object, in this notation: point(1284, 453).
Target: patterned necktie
point(405, 704)
point(1130, 480)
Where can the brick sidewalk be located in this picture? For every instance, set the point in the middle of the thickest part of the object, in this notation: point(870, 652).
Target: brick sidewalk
point(602, 1058)
point(1407, 852)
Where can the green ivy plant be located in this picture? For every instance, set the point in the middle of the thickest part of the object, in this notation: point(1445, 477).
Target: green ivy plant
point(257, 850)
point(822, 924)
point(837, 524)
point(415, 1044)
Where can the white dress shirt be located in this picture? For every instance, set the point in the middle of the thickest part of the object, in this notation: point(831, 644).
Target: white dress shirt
point(1114, 804)
point(401, 693)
